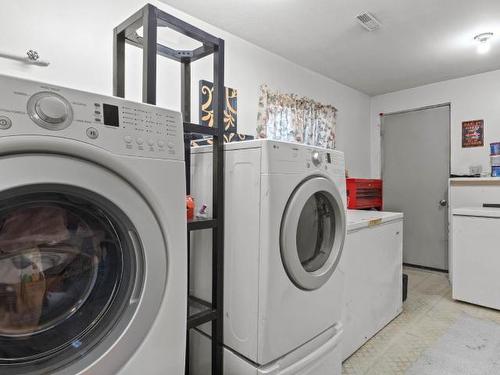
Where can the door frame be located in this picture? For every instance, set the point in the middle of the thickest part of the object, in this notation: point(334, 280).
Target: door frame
point(448, 140)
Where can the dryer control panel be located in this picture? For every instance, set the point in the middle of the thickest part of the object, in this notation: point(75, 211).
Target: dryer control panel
point(117, 125)
point(285, 157)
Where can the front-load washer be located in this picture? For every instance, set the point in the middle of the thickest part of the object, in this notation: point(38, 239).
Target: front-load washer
point(92, 234)
point(284, 232)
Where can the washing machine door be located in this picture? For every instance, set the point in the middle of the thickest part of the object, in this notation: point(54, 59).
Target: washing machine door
point(74, 242)
point(313, 230)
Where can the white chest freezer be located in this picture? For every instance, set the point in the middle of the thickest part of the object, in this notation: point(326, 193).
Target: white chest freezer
point(476, 256)
point(372, 264)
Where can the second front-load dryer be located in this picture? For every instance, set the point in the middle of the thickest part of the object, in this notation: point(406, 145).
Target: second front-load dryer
point(284, 233)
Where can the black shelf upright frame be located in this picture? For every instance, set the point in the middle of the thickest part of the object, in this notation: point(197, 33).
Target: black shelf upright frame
point(150, 18)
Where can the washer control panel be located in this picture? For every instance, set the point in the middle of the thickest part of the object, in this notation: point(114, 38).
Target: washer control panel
point(117, 125)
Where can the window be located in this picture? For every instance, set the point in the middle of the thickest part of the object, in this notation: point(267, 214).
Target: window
point(288, 117)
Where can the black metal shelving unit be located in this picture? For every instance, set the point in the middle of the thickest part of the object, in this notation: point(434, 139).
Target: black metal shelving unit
point(150, 19)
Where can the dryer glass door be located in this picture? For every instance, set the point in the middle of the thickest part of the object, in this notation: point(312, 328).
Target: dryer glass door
point(312, 232)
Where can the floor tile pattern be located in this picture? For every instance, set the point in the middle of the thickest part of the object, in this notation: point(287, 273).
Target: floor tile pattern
point(427, 315)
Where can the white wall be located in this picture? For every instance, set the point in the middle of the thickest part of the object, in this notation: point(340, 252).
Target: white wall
point(471, 98)
point(76, 37)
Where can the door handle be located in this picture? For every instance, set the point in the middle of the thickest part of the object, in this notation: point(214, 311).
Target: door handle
point(443, 202)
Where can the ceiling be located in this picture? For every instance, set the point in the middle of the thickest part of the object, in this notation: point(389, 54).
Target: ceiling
point(420, 41)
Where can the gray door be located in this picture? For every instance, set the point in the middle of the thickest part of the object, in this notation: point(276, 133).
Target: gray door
point(415, 171)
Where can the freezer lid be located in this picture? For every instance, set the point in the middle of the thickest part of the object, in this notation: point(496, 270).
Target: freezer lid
point(477, 211)
point(358, 219)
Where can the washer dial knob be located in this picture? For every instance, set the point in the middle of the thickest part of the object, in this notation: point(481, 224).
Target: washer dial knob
point(50, 111)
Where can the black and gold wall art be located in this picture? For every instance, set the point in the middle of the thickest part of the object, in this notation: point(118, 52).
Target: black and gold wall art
point(230, 106)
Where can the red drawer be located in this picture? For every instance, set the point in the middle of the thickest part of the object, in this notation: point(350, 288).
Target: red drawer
point(363, 193)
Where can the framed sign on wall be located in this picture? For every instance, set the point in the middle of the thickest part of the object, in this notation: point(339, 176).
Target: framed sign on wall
point(473, 133)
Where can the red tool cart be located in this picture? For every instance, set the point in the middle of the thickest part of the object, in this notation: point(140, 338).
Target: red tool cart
point(363, 193)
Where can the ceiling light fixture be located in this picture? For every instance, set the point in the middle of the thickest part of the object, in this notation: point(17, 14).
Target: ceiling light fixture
point(483, 42)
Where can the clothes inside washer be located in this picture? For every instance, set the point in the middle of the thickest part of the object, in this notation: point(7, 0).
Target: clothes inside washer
point(41, 264)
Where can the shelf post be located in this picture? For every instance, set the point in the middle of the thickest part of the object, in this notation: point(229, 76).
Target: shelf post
point(218, 211)
point(150, 27)
point(119, 63)
point(186, 116)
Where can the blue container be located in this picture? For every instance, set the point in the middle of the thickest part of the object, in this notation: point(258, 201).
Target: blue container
point(495, 148)
point(495, 171)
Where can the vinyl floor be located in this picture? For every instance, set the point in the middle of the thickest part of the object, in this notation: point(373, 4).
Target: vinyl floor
point(417, 341)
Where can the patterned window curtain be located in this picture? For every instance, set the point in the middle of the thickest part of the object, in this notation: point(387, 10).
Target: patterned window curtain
point(288, 117)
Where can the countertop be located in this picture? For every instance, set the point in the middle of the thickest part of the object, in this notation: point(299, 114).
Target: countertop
point(474, 179)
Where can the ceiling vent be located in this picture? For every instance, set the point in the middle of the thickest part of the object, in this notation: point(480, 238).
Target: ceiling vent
point(368, 21)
